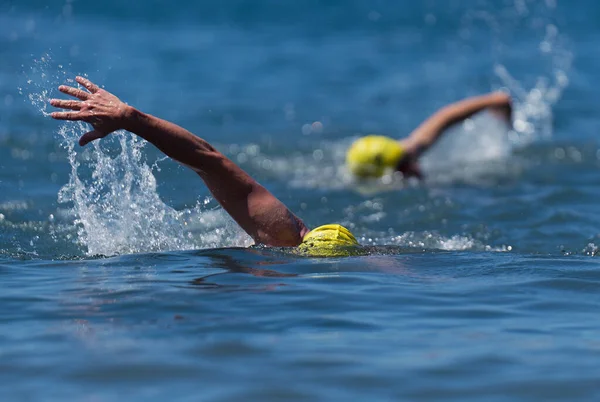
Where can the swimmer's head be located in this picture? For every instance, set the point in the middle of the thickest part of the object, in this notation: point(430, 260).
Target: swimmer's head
point(329, 241)
point(373, 155)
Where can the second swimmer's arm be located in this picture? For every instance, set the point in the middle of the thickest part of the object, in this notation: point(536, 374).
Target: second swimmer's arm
point(266, 219)
point(431, 129)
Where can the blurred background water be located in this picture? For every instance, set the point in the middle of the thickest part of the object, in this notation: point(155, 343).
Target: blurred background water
point(123, 279)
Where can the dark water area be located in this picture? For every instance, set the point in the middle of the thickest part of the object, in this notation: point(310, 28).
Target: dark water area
point(124, 280)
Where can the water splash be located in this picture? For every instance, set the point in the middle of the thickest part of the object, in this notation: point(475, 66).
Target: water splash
point(533, 118)
point(431, 240)
point(320, 166)
point(479, 151)
point(112, 194)
point(475, 152)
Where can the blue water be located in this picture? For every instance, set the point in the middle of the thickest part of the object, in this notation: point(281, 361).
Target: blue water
point(124, 280)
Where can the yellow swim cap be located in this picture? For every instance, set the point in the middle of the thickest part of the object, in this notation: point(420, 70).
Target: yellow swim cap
point(372, 155)
point(329, 241)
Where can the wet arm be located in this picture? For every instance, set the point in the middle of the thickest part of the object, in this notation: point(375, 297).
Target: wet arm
point(431, 129)
point(266, 219)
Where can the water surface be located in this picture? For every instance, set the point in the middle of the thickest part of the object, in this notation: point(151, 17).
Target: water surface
point(123, 279)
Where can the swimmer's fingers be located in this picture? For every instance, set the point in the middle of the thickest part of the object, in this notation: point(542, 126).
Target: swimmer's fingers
point(66, 104)
point(502, 112)
point(76, 92)
point(89, 85)
point(91, 136)
point(67, 116)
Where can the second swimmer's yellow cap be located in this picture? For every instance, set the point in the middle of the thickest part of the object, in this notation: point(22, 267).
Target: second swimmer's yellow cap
point(329, 241)
point(372, 155)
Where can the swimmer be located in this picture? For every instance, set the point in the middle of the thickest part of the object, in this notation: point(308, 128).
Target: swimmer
point(265, 218)
point(376, 155)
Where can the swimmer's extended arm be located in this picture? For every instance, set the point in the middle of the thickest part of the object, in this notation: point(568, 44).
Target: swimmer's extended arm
point(431, 129)
point(266, 219)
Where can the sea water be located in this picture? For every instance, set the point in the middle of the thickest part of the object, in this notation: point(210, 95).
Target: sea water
point(124, 280)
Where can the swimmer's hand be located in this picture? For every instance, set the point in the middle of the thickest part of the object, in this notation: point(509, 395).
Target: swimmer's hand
point(424, 136)
point(103, 110)
point(501, 106)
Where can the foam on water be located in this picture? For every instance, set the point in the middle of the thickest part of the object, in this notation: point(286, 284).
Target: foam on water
point(117, 206)
point(477, 151)
point(431, 240)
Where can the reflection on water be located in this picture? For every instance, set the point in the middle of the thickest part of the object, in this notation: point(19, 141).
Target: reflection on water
point(232, 265)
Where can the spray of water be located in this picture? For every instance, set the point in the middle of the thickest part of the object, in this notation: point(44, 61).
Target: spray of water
point(533, 117)
point(113, 200)
point(112, 192)
point(480, 150)
point(482, 147)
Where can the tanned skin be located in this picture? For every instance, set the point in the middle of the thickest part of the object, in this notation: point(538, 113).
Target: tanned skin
point(429, 132)
point(266, 219)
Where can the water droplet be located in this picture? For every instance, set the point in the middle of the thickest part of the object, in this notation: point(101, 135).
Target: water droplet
point(306, 129)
